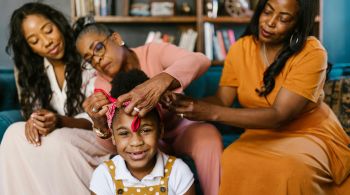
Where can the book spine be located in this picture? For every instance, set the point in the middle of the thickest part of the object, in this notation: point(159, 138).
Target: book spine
point(231, 35)
point(221, 43)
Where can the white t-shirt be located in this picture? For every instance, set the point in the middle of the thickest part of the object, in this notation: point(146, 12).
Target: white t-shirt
point(180, 179)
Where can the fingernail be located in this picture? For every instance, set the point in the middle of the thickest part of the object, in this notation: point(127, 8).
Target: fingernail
point(36, 139)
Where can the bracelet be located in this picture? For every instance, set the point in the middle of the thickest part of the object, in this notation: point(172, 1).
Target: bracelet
point(101, 134)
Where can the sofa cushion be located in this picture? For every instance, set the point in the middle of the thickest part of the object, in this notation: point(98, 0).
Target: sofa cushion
point(7, 118)
point(8, 97)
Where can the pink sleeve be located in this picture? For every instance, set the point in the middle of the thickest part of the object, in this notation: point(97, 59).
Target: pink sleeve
point(181, 64)
point(102, 82)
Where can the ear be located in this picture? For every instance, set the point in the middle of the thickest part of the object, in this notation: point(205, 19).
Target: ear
point(113, 140)
point(118, 39)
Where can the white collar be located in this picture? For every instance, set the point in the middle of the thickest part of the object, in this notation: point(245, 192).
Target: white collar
point(124, 174)
point(47, 63)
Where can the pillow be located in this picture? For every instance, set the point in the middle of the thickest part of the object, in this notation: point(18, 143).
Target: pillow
point(337, 96)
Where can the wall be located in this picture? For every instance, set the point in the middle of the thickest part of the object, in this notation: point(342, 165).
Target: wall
point(336, 29)
point(6, 9)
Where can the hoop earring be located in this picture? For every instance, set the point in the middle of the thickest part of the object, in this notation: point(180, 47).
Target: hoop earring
point(292, 39)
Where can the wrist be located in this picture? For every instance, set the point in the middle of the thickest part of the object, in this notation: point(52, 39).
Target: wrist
point(102, 133)
point(58, 121)
point(214, 116)
point(168, 81)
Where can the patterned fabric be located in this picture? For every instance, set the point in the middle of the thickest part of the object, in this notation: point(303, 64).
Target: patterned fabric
point(338, 98)
point(162, 188)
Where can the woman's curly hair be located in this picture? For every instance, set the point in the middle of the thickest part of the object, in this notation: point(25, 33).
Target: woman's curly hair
point(32, 78)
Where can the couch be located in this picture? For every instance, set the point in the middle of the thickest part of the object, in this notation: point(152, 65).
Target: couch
point(204, 86)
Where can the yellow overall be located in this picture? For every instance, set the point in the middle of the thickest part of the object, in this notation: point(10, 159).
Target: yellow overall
point(160, 189)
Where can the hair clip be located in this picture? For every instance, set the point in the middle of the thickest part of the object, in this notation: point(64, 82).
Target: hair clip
point(89, 19)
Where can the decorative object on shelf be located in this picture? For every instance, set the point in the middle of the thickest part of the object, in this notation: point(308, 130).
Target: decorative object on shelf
point(139, 9)
point(162, 7)
point(212, 7)
point(238, 8)
point(185, 8)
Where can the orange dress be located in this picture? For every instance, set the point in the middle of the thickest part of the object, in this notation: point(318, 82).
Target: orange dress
point(310, 155)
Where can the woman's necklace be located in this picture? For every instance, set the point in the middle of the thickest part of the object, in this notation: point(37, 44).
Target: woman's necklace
point(266, 60)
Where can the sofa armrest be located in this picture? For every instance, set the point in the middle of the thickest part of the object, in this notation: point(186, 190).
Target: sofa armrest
point(7, 118)
point(8, 97)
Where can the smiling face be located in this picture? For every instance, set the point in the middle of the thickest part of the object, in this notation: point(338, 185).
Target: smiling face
point(43, 37)
point(108, 62)
point(277, 20)
point(138, 149)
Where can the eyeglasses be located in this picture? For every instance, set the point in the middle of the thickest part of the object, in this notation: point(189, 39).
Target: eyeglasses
point(99, 50)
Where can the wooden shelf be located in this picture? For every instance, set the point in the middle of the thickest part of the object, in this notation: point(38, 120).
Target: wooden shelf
point(145, 19)
point(228, 19)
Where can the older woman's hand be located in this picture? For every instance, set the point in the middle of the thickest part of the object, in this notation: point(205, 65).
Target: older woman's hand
point(187, 107)
point(96, 107)
point(145, 96)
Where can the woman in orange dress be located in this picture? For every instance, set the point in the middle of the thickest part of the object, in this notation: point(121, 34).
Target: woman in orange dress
point(293, 143)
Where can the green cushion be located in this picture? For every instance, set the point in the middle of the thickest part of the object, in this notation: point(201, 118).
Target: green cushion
point(8, 97)
point(7, 118)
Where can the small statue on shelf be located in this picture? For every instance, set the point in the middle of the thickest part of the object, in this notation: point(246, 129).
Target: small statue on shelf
point(185, 8)
point(238, 8)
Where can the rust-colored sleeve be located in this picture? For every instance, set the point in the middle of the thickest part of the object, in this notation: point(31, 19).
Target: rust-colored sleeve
point(307, 75)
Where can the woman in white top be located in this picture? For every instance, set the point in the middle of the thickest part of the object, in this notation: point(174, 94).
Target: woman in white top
point(54, 151)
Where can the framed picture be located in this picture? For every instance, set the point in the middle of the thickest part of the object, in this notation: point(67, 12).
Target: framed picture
point(163, 7)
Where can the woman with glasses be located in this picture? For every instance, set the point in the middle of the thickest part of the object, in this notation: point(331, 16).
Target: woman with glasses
point(54, 151)
point(170, 68)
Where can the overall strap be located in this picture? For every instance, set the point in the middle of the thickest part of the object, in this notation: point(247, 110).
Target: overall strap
point(118, 183)
point(163, 187)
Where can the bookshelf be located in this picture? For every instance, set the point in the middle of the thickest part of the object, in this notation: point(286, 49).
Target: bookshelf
point(137, 27)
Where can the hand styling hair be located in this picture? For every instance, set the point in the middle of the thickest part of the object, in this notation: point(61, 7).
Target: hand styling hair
point(124, 82)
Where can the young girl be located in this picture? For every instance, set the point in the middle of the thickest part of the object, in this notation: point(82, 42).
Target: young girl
point(139, 167)
point(169, 68)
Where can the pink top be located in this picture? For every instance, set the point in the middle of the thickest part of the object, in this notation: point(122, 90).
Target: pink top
point(155, 58)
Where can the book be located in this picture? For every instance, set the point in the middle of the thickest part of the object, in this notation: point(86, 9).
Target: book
point(208, 39)
point(221, 43)
point(226, 40)
point(231, 36)
point(97, 7)
point(192, 40)
point(150, 37)
point(217, 50)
